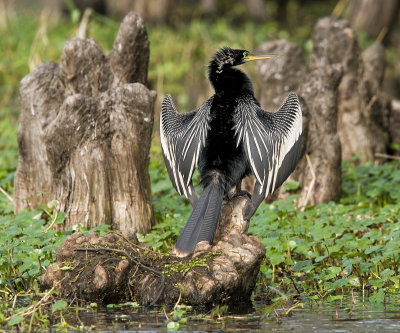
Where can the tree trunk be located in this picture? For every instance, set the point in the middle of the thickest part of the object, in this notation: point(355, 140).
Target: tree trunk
point(85, 131)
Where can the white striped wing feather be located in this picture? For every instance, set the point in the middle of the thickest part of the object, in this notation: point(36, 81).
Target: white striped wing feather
point(182, 137)
point(272, 141)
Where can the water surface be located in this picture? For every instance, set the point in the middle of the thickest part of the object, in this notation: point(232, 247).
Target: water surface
point(362, 317)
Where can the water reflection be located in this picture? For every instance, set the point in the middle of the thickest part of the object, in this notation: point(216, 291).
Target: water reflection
point(363, 317)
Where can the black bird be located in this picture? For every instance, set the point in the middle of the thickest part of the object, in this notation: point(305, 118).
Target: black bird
point(228, 137)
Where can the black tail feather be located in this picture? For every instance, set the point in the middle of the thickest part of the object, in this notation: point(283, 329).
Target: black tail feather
point(203, 221)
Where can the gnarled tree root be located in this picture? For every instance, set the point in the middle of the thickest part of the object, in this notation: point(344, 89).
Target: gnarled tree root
point(116, 268)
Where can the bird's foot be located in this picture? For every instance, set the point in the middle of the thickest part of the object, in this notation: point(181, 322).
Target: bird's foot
point(230, 196)
point(242, 193)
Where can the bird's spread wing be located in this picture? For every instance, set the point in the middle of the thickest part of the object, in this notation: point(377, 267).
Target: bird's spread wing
point(272, 141)
point(183, 135)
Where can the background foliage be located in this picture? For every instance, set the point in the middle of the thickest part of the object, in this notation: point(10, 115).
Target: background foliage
point(323, 251)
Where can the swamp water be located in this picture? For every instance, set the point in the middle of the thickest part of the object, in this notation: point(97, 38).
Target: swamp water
point(359, 318)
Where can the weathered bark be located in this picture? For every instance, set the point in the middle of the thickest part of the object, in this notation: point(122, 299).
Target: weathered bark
point(363, 110)
point(379, 20)
point(341, 98)
point(394, 126)
point(375, 18)
point(375, 104)
point(282, 74)
point(320, 173)
point(117, 269)
point(85, 132)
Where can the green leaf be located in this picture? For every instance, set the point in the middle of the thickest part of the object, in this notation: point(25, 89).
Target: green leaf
point(59, 305)
point(291, 185)
point(340, 283)
point(395, 146)
point(15, 320)
point(131, 304)
point(334, 269)
point(377, 297)
point(387, 273)
point(354, 281)
point(172, 326)
point(276, 258)
point(332, 298)
point(373, 249)
point(320, 258)
point(376, 283)
point(52, 204)
point(303, 266)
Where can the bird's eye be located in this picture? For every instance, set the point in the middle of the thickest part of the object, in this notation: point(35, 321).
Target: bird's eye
point(245, 54)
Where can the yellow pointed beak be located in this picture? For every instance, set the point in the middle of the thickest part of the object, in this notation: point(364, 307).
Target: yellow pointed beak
point(251, 58)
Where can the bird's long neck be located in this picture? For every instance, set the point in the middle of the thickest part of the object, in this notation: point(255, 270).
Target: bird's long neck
point(229, 80)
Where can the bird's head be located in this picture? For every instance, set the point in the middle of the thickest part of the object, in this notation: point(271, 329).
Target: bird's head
point(227, 57)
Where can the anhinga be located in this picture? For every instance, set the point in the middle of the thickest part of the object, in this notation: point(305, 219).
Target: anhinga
point(228, 137)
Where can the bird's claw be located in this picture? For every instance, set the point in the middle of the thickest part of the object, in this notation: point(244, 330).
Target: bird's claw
point(248, 211)
point(242, 193)
point(230, 196)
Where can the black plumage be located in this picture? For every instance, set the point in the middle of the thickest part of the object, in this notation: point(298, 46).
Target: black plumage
point(228, 137)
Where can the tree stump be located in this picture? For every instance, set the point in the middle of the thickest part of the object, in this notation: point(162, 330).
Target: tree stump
point(281, 75)
point(395, 125)
point(363, 110)
point(344, 111)
point(373, 17)
point(116, 268)
point(85, 131)
point(320, 144)
point(319, 170)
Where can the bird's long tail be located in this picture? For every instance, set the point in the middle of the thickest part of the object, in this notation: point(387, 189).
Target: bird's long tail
point(203, 221)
